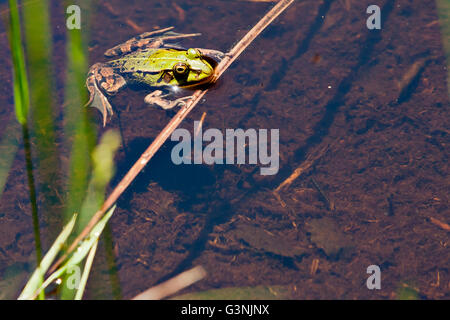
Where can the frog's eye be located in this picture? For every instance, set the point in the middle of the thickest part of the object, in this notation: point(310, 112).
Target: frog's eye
point(192, 53)
point(180, 68)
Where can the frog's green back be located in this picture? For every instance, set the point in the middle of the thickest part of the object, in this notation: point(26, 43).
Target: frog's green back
point(149, 60)
point(154, 67)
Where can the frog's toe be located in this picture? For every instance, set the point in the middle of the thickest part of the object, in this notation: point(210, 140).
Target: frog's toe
point(156, 97)
point(99, 101)
point(183, 100)
point(91, 86)
point(105, 109)
point(91, 98)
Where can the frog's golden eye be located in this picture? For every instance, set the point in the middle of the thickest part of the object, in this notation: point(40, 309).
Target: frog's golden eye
point(180, 68)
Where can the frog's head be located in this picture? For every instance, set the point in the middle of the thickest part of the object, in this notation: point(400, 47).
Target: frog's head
point(193, 69)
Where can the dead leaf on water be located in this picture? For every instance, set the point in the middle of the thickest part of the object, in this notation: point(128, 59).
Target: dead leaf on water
point(262, 240)
point(328, 236)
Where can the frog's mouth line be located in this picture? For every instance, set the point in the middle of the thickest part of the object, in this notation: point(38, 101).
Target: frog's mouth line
point(198, 83)
point(183, 79)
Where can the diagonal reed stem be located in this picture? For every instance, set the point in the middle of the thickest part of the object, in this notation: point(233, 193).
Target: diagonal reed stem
point(230, 57)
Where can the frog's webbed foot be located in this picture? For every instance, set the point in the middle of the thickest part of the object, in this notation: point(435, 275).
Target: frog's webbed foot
point(97, 99)
point(156, 97)
point(152, 39)
point(101, 77)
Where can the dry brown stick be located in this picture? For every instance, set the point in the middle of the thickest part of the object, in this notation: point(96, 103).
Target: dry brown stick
point(310, 160)
point(439, 223)
point(175, 122)
point(173, 285)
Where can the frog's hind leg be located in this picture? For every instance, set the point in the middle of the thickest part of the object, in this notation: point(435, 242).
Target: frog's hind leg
point(102, 77)
point(147, 40)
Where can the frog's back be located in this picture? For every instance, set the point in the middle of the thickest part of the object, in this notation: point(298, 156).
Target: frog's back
point(148, 60)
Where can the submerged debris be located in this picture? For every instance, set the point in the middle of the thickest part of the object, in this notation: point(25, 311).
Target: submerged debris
point(410, 78)
point(326, 235)
point(261, 240)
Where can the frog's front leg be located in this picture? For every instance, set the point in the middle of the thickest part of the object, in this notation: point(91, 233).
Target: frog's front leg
point(102, 77)
point(156, 97)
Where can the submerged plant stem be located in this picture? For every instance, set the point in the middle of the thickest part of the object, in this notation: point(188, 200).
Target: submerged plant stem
point(32, 188)
point(230, 57)
point(21, 104)
point(33, 199)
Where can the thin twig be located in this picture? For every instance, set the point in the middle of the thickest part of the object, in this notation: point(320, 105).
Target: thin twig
point(441, 224)
point(309, 161)
point(168, 288)
point(175, 122)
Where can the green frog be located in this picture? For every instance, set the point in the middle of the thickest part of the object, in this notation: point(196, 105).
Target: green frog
point(147, 59)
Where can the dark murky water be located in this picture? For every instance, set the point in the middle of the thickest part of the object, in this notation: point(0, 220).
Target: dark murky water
point(374, 152)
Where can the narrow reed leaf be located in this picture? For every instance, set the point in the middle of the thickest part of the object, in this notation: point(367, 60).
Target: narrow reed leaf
point(21, 91)
point(86, 271)
point(86, 245)
point(102, 172)
point(21, 103)
point(78, 128)
point(36, 279)
point(79, 254)
point(38, 50)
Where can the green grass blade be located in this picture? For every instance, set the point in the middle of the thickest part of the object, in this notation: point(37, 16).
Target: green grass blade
point(86, 271)
point(38, 49)
point(86, 245)
point(83, 249)
point(78, 255)
point(103, 170)
point(35, 281)
point(21, 91)
point(78, 129)
point(21, 103)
